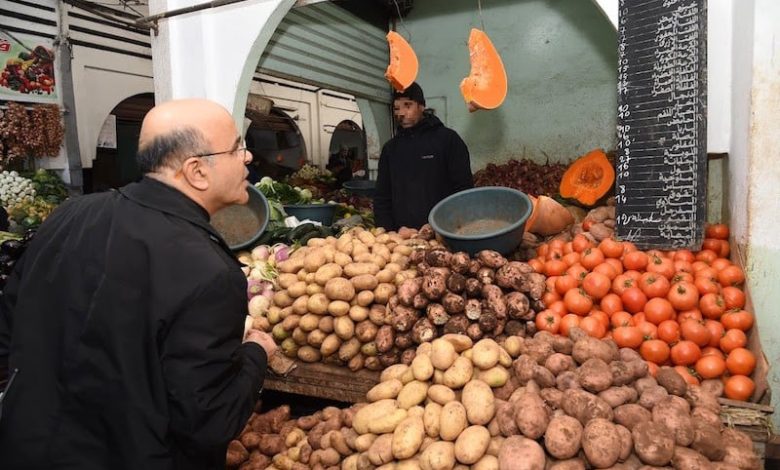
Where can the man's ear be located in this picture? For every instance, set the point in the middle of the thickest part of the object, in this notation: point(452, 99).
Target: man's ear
point(196, 173)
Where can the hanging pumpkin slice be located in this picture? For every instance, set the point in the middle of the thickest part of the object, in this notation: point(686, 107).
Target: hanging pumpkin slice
point(403, 67)
point(486, 85)
point(589, 178)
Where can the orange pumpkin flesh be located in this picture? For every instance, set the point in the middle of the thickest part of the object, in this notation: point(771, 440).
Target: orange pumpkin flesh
point(486, 85)
point(589, 178)
point(403, 67)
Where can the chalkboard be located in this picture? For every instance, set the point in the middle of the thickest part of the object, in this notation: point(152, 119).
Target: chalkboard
point(661, 174)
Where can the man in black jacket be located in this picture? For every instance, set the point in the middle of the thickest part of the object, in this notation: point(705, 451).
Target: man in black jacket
point(424, 163)
point(125, 315)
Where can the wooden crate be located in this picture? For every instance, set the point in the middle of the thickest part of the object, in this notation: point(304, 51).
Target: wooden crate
point(325, 381)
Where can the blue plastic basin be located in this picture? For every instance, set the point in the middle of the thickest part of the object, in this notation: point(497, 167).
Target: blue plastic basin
point(485, 218)
point(241, 225)
point(322, 213)
point(360, 187)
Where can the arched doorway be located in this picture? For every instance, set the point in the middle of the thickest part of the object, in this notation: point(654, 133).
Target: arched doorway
point(115, 165)
point(276, 144)
point(348, 145)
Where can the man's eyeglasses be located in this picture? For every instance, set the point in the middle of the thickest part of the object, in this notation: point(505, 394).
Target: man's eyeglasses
point(239, 151)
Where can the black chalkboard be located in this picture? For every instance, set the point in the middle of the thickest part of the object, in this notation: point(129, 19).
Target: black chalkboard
point(661, 174)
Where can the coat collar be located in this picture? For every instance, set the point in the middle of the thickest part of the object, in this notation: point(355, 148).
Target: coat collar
point(157, 195)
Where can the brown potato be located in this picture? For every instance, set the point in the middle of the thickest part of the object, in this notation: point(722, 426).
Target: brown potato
point(563, 436)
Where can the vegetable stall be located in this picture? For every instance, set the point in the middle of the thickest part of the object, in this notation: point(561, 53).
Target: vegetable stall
point(669, 338)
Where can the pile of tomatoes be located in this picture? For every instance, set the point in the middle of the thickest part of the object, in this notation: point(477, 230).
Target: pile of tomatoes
point(678, 308)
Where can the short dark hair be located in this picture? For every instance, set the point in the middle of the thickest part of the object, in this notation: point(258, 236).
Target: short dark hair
point(413, 92)
point(170, 149)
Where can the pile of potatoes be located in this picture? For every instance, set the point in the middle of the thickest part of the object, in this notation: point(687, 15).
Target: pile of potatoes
point(330, 296)
point(538, 403)
point(484, 296)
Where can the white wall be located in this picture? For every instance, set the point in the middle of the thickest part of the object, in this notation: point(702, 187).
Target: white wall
point(101, 80)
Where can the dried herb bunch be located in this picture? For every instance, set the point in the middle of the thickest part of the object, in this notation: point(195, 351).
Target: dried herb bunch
point(35, 133)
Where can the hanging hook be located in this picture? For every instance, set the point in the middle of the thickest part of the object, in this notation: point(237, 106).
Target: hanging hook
point(481, 20)
point(401, 18)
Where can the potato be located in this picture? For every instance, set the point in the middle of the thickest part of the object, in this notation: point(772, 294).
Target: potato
point(707, 441)
point(459, 342)
point(601, 443)
point(652, 395)
point(616, 396)
point(432, 419)
point(588, 348)
point(563, 436)
point(713, 386)
point(291, 265)
point(338, 308)
point(297, 289)
point(338, 288)
point(688, 459)
point(422, 368)
point(330, 345)
point(342, 259)
point(495, 377)
point(742, 457)
point(309, 354)
point(358, 269)
point(626, 442)
point(370, 413)
point(364, 298)
point(572, 464)
point(505, 418)
point(285, 280)
point(327, 272)
point(706, 416)
point(477, 398)
point(381, 450)
point(453, 421)
point(699, 397)
point(520, 453)
point(438, 456)
point(313, 260)
point(393, 372)
point(485, 354)
point(364, 282)
point(384, 390)
point(472, 444)
point(459, 373)
point(585, 406)
point(558, 363)
point(487, 462)
point(531, 415)
point(358, 313)
point(679, 423)
point(318, 304)
point(595, 375)
point(631, 414)
point(443, 354)
point(513, 345)
point(408, 437)
point(383, 292)
point(673, 382)
point(282, 299)
point(363, 442)
point(412, 394)
point(344, 328)
point(440, 394)
point(653, 443)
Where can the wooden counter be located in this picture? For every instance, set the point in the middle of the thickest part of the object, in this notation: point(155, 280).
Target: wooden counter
point(325, 381)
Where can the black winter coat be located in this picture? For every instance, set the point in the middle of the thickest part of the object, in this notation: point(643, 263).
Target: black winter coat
point(125, 317)
point(419, 167)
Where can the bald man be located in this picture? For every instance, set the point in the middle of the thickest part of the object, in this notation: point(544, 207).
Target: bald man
point(124, 317)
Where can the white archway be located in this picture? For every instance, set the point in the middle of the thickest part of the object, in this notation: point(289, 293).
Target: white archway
point(212, 53)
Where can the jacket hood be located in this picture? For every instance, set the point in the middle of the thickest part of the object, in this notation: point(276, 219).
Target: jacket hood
point(429, 121)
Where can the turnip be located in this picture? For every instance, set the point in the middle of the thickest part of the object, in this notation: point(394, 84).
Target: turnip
point(261, 253)
point(258, 306)
point(280, 252)
point(255, 287)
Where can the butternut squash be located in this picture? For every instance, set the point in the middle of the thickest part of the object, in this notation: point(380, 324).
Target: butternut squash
point(486, 85)
point(588, 178)
point(403, 67)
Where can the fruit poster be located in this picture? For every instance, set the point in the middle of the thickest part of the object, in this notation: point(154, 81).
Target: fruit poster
point(27, 72)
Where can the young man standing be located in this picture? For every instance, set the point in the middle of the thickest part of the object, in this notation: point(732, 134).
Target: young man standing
point(424, 163)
